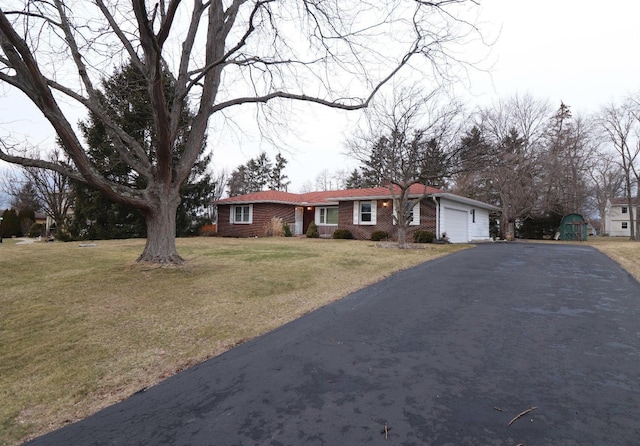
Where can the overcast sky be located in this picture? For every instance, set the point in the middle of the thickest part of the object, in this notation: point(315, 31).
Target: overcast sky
point(583, 52)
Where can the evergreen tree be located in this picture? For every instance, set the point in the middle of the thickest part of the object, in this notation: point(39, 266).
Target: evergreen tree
point(25, 202)
point(355, 180)
point(414, 155)
point(373, 168)
point(10, 224)
point(475, 155)
point(277, 177)
point(128, 103)
point(435, 169)
point(237, 183)
point(257, 175)
point(26, 199)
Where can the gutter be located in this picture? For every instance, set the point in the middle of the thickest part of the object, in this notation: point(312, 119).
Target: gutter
point(437, 203)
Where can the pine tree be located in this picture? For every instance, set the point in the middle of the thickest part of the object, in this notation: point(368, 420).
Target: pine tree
point(127, 99)
point(355, 180)
point(258, 174)
point(277, 177)
point(10, 224)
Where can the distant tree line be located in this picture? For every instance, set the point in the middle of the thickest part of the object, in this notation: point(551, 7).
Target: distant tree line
point(532, 161)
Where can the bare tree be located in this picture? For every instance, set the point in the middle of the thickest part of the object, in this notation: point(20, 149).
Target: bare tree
point(220, 55)
point(514, 129)
point(620, 125)
point(327, 180)
point(566, 159)
point(306, 187)
point(324, 181)
point(403, 134)
point(53, 190)
point(607, 181)
point(340, 177)
point(219, 179)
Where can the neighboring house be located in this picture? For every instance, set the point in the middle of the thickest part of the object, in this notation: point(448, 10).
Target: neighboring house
point(40, 218)
point(48, 223)
point(361, 211)
point(616, 217)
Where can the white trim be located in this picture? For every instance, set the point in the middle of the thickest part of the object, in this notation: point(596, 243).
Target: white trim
point(318, 215)
point(356, 212)
point(415, 221)
point(232, 214)
point(467, 201)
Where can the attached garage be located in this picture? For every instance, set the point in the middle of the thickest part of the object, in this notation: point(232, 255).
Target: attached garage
point(463, 220)
point(456, 225)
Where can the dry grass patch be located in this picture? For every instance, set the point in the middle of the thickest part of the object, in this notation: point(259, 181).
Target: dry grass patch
point(624, 251)
point(84, 327)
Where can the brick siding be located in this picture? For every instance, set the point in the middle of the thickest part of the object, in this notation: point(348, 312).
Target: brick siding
point(263, 212)
point(384, 220)
point(262, 215)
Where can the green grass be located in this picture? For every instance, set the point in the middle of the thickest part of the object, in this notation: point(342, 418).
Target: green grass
point(84, 327)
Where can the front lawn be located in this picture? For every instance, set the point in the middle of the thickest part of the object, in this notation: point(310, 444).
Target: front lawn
point(84, 327)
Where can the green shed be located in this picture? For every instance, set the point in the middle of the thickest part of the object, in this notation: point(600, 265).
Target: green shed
point(573, 227)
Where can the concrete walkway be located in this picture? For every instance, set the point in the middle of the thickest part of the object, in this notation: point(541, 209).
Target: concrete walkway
point(25, 241)
point(447, 353)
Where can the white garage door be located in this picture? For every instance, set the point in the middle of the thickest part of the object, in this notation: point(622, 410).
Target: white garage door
point(456, 225)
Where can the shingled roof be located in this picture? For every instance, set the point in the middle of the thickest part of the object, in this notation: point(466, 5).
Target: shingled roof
point(621, 201)
point(328, 197)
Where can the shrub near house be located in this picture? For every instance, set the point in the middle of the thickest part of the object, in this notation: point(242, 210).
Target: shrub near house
point(343, 234)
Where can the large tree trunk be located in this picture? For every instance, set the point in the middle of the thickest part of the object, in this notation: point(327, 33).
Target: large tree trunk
point(402, 235)
point(161, 231)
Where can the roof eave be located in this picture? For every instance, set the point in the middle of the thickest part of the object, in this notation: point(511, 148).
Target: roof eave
point(469, 201)
point(222, 202)
point(376, 197)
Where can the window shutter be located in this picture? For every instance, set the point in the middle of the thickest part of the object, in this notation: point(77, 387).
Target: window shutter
point(416, 214)
point(317, 216)
point(415, 217)
point(395, 212)
point(356, 212)
point(374, 211)
point(250, 214)
point(232, 210)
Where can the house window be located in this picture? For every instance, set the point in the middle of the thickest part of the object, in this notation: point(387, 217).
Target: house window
point(414, 214)
point(364, 212)
point(624, 224)
point(328, 216)
point(624, 209)
point(242, 214)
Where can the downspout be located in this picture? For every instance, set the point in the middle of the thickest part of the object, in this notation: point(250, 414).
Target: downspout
point(437, 203)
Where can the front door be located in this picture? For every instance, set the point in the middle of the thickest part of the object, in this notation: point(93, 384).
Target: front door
point(297, 230)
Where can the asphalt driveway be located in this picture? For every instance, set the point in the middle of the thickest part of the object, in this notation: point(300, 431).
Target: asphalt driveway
point(446, 353)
